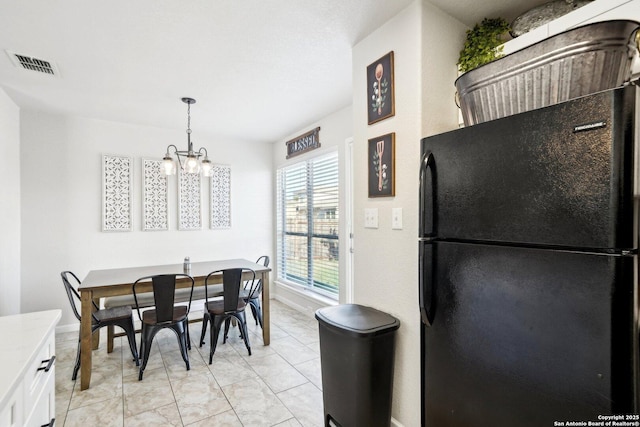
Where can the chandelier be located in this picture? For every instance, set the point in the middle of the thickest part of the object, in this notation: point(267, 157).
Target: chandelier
point(189, 160)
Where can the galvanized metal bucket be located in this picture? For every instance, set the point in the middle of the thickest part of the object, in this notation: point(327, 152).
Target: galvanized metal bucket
point(578, 62)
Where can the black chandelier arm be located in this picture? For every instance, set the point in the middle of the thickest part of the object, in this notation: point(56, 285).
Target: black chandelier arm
point(199, 153)
point(175, 149)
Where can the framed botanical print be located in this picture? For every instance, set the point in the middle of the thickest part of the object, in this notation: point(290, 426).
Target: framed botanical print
point(380, 88)
point(381, 165)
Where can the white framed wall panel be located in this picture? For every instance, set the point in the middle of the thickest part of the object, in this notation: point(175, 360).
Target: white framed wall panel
point(220, 197)
point(189, 201)
point(117, 179)
point(155, 197)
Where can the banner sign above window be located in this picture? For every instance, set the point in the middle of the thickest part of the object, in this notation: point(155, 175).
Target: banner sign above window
point(303, 143)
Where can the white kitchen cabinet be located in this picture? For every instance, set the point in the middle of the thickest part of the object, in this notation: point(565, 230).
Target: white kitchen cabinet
point(27, 368)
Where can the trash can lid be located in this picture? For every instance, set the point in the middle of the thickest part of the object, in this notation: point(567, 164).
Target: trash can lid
point(357, 319)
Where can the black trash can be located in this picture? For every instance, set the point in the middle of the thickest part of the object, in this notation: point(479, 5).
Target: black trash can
point(356, 353)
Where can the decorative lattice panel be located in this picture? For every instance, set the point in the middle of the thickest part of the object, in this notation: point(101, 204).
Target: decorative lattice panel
point(221, 197)
point(155, 215)
point(117, 177)
point(190, 201)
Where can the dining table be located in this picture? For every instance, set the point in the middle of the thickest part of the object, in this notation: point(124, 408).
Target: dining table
point(113, 282)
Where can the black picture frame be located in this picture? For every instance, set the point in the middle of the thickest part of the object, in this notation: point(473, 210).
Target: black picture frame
point(381, 166)
point(380, 89)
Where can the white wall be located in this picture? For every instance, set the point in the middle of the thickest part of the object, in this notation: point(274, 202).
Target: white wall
point(62, 200)
point(335, 129)
point(425, 42)
point(9, 206)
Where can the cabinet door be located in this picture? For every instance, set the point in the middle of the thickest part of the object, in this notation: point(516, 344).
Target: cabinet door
point(39, 386)
point(44, 409)
point(11, 414)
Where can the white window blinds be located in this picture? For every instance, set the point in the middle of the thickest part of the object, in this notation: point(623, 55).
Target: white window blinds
point(307, 225)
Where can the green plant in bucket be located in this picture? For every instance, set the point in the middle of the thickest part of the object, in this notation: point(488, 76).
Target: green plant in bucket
point(482, 44)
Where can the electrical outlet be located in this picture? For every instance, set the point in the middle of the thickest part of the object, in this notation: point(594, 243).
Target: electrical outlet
point(371, 218)
point(396, 218)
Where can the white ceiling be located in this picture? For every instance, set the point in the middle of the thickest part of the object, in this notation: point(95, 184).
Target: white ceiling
point(258, 69)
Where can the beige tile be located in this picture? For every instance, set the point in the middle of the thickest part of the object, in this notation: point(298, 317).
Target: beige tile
point(276, 372)
point(312, 370)
point(106, 383)
point(226, 350)
point(289, 423)
point(315, 347)
point(64, 383)
point(107, 413)
point(163, 416)
point(66, 352)
point(226, 419)
point(167, 341)
point(229, 370)
point(303, 333)
point(155, 361)
point(199, 397)
point(292, 350)
point(255, 404)
point(257, 348)
point(305, 402)
point(177, 368)
point(152, 392)
point(276, 332)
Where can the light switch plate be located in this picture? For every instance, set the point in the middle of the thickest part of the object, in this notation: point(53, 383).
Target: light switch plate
point(371, 218)
point(396, 218)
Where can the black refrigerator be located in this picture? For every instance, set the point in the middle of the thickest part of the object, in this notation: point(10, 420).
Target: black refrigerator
point(528, 269)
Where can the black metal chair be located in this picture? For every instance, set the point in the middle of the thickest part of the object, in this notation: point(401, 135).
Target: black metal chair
point(231, 305)
point(117, 316)
point(251, 293)
point(164, 314)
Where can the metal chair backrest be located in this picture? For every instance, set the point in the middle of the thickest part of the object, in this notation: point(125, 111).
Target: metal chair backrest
point(231, 280)
point(254, 287)
point(164, 290)
point(264, 260)
point(74, 297)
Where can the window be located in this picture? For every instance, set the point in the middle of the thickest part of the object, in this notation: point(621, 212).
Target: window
point(307, 230)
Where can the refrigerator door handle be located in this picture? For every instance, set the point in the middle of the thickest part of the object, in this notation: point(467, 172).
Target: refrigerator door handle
point(427, 195)
point(426, 289)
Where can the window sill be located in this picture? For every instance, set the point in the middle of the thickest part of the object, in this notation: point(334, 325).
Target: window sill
point(301, 299)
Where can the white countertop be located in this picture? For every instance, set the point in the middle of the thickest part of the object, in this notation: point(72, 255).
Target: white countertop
point(21, 336)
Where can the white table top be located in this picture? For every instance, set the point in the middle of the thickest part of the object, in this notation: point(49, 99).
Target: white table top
point(21, 336)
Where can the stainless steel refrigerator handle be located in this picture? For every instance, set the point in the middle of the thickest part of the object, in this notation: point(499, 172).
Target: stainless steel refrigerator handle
point(425, 280)
point(426, 165)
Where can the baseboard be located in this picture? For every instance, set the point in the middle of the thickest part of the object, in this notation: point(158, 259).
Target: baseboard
point(74, 327)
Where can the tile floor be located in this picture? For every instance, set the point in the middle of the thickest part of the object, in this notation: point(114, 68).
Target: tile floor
point(278, 385)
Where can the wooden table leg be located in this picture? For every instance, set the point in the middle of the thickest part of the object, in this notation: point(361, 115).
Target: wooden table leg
point(96, 334)
point(266, 313)
point(85, 339)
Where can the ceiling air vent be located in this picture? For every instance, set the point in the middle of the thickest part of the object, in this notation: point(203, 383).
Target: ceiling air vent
point(28, 62)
